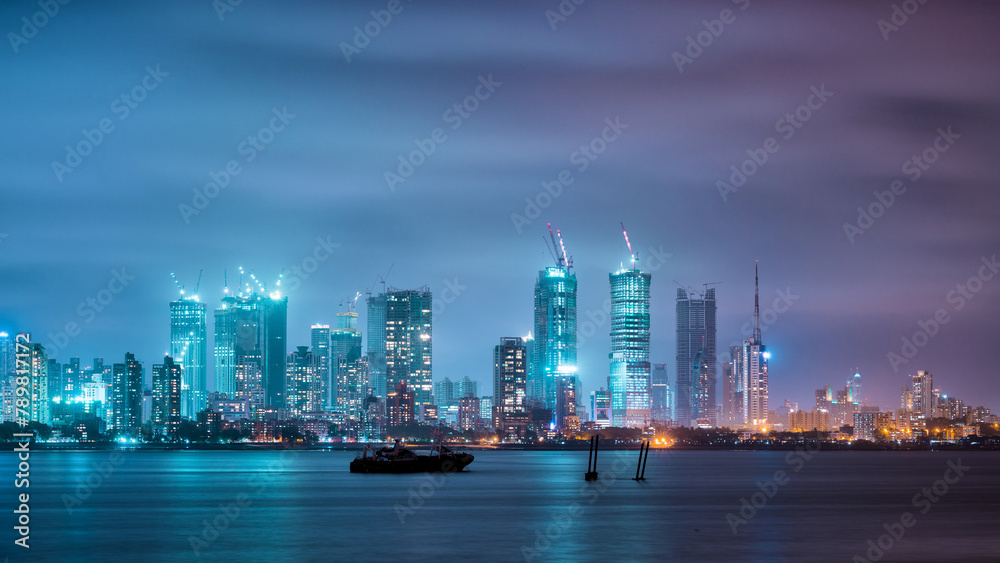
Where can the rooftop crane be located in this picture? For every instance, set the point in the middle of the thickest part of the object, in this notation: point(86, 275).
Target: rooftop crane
point(567, 260)
point(629, 244)
point(560, 259)
point(179, 286)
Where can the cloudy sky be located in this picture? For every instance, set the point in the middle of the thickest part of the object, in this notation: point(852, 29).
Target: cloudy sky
point(313, 116)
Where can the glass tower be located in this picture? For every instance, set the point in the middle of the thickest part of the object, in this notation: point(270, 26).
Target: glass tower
point(400, 339)
point(250, 338)
point(320, 335)
point(696, 370)
point(554, 344)
point(630, 385)
point(188, 347)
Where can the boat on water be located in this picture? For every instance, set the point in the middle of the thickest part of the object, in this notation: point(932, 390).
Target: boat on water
point(399, 459)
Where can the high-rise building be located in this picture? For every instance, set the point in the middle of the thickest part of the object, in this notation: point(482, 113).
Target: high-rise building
point(72, 378)
point(554, 344)
point(166, 411)
point(400, 405)
point(696, 359)
point(348, 367)
point(376, 344)
point(32, 364)
point(755, 356)
point(660, 395)
point(923, 394)
point(188, 347)
point(468, 412)
point(250, 342)
point(56, 381)
point(600, 407)
point(320, 335)
point(630, 385)
point(729, 417)
point(510, 379)
point(404, 338)
point(304, 385)
point(127, 396)
point(8, 361)
point(447, 393)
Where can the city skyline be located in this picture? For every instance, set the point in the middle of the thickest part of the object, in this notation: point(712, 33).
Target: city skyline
point(315, 202)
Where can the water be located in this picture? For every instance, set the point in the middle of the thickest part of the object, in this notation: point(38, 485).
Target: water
point(307, 507)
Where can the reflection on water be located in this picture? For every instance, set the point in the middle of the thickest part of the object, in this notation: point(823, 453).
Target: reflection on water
point(510, 506)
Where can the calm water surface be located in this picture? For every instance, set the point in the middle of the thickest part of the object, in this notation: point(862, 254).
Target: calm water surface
point(510, 506)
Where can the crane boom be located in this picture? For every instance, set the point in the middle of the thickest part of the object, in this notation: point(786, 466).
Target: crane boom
point(560, 262)
point(566, 260)
point(629, 244)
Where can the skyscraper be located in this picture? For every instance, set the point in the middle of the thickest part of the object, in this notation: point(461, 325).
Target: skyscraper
point(554, 350)
point(660, 395)
point(126, 396)
point(250, 338)
point(755, 356)
point(8, 361)
point(510, 378)
point(923, 394)
point(188, 347)
point(404, 338)
point(32, 364)
point(347, 365)
point(166, 412)
point(304, 385)
point(696, 372)
point(72, 378)
point(376, 344)
point(630, 385)
point(320, 335)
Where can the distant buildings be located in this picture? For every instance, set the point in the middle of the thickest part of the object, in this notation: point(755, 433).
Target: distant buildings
point(871, 426)
point(304, 384)
point(188, 346)
point(805, 421)
point(320, 341)
point(696, 357)
point(400, 405)
point(348, 366)
point(660, 397)
point(447, 393)
point(250, 348)
point(630, 385)
point(400, 339)
point(510, 373)
point(166, 411)
point(126, 396)
point(923, 394)
point(7, 356)
point(600, 407)
point(554, 342)
point(468, 412)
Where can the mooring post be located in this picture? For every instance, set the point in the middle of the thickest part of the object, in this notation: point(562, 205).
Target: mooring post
point(644, 460)
point(639, 465)
point(591, 474)
point(590, 454)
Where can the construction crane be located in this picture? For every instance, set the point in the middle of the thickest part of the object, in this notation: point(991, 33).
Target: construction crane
point(567, 260)
point(560, 260)
point(179, 286)
point(352, 303)
point(197, 285)
point(629, 244)
point(378, 278)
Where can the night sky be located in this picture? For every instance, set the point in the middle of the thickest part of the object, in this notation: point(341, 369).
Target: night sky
point(211, 83)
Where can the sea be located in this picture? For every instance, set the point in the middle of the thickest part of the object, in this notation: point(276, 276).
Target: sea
point(719, 506)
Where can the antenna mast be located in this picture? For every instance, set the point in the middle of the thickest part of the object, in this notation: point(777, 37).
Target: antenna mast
point(756, 306)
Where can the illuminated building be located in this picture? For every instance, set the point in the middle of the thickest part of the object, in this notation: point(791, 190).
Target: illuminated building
point(486, 410)
point(405, 337)
point(8, 407)
point(510, 378)
point(554, 339)
point(320, 340)
point(8, 360)
point(468, 412)
point(188, 347)
point(166, 412)
point(400, 405)
point(126, 396)
point(72, 378)
point(32, 364)
point(304, 386)
point(805, 421)
point(348, 367)
point(923, 394)
point(228, 409)
point(250, 342)
point(629, 379)
point(661, 401)
point(600, 407)
point(447, 392)
point(753, 369)
point(696, 356)
point(871, 426)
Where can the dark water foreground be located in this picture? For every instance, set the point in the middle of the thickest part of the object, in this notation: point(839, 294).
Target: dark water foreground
point(510, 506)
